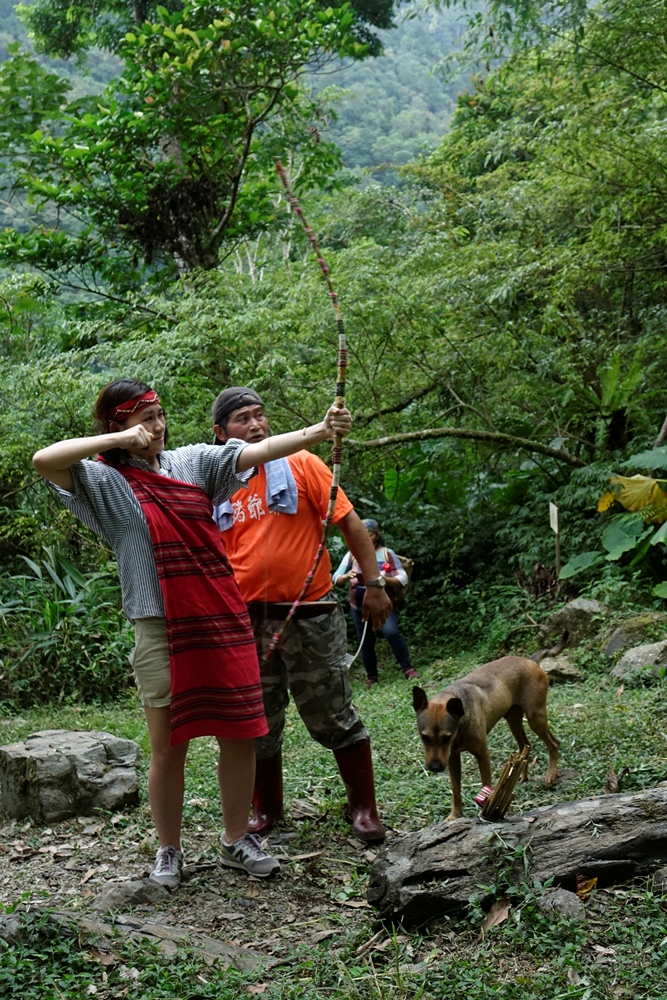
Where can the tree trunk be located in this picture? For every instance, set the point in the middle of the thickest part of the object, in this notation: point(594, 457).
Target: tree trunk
point(662, 434)
point(614, 837)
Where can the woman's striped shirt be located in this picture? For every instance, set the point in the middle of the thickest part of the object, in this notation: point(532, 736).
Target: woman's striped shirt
point(106, 503)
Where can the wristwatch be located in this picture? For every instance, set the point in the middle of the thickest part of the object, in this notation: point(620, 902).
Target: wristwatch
point(380, 582)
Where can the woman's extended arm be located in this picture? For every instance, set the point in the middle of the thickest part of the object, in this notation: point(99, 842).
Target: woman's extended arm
point(54, 462)
point(343, 575)
point(376, 604)
point(336, 420)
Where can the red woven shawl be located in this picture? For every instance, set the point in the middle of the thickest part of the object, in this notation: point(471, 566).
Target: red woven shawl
point(215, 685)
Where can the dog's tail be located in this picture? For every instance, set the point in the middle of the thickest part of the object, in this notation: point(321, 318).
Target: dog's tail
point(542, 653)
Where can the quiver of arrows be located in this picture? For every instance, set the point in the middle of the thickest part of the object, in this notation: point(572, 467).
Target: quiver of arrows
point(498, 802)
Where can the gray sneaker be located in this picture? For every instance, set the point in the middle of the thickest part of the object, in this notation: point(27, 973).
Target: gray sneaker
point(247, 854)
point(168, 867)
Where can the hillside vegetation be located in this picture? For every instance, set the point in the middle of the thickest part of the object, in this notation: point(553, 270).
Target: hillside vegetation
point(398, 106)
point(506, 306)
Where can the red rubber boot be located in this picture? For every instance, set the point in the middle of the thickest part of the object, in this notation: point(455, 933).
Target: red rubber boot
point(356, 770)
point(267, 796)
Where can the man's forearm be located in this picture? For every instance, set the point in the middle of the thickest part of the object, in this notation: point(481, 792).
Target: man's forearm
point(280, 446)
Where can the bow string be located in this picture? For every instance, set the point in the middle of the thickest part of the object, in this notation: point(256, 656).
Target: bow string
point(339, 400)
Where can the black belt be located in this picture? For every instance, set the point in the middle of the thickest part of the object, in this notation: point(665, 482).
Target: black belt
point(280, 609)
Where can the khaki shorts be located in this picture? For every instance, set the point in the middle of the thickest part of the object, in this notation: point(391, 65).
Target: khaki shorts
point(150, 662)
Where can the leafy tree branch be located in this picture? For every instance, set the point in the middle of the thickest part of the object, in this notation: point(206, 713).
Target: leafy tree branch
point(471, 434)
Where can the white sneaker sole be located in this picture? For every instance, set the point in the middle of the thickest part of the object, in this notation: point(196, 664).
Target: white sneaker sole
point(231, 863)
point(169, 882)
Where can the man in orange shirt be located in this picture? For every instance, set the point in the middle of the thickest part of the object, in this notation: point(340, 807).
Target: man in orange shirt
point(271, 532)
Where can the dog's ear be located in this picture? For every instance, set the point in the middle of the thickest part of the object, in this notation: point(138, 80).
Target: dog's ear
point(455, 707)
point(419, 699)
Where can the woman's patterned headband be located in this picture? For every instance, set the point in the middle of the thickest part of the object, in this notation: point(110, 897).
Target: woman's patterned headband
point(125, 410)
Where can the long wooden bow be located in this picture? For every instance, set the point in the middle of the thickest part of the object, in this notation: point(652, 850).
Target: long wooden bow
point(339, 400)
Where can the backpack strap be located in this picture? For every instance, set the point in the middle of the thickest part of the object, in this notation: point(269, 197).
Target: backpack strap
point(349, 562)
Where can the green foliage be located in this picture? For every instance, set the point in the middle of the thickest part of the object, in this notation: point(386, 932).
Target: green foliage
point(579, 563)
point(64, 29)
point(616, 36)
point(26, 302)
point(622, 534)
point(23, 971)
point(174, 157)
point(655, 458)
point(63, 634)
point(632, 534)
point(509, 295)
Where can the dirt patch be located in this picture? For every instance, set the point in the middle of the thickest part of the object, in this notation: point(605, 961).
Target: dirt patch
point(319, 892)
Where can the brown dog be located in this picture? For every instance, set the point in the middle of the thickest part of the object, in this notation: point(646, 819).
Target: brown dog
point(460, 717)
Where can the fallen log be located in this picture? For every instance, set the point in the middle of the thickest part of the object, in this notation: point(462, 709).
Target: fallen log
point(423, 875)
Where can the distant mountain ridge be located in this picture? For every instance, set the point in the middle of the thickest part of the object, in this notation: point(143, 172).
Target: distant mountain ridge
point(397, 105)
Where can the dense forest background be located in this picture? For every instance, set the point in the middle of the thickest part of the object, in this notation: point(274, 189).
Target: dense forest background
point(392, 109)
point(499, 248)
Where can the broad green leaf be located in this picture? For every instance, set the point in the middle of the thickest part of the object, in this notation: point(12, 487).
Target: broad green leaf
point(641, 549)
point(660, 535)
point(621, 535)
point(656, 458)
point(660, 590)
point(579, 563)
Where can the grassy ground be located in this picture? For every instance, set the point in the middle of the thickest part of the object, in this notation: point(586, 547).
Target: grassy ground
point(312, 919)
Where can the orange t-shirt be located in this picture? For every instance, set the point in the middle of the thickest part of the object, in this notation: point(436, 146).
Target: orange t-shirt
point(271, 554)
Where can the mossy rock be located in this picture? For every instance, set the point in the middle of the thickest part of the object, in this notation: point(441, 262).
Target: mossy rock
point(581, 618)
point(645, 664)
point(650, 625)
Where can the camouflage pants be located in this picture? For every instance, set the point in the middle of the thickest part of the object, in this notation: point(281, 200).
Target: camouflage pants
point(311, 664)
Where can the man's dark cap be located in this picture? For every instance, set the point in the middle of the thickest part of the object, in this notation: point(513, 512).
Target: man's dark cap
point(233, 399)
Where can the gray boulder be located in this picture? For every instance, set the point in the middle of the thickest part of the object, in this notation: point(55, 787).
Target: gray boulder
point(639, 628)
point(560, 669)
point(56, 774)
point(117, 896)
point(11, 929)
point(566, 903)
point(580, 617)
point(643, 664)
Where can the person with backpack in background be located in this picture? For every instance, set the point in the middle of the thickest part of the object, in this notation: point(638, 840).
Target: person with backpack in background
point(391, 568)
